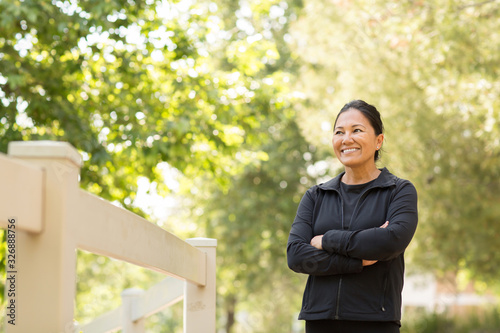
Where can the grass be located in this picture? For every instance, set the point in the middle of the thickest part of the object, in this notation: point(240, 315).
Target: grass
point(484, 320)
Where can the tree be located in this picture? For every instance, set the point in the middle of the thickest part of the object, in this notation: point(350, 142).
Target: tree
point(133, 84)
point(128, 84)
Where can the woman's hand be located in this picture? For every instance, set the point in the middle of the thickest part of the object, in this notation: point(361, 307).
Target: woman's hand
point(371, 262)
point(316, 242)
point(383, 226)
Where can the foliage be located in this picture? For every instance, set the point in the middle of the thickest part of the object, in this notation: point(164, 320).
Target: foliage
point(130, 84)
point(251, 218)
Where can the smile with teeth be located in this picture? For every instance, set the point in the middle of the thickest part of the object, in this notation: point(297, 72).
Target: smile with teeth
point(349, 150)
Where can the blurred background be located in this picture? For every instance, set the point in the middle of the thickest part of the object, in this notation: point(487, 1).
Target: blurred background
point(211, 118)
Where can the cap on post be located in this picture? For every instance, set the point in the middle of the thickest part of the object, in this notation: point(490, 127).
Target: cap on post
point(45, 149)
point(201, 241)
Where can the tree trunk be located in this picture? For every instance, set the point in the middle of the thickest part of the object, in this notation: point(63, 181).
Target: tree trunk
point(230, 310)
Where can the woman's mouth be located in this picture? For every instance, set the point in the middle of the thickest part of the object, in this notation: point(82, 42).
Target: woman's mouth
point(349, 150)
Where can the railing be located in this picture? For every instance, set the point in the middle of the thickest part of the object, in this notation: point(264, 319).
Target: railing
point(48, 217)
point(137, 305)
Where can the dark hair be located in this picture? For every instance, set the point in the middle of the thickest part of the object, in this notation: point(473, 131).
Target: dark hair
point(370, 112)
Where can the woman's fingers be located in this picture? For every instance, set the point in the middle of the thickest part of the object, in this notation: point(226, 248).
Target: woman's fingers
point(317, 242)
point(368, 262)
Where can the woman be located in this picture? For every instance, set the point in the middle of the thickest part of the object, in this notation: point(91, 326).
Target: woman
point(351, 232)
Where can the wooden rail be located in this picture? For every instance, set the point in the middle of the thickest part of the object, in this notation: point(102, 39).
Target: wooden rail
point(51, 217)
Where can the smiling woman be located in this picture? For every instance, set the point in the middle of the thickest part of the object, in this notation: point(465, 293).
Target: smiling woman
point(351, 232)
point(357, 139)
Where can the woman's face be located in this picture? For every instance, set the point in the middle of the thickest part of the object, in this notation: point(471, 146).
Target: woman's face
point(354, 139)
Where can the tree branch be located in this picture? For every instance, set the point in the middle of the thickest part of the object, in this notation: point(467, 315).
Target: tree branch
point(478, 4)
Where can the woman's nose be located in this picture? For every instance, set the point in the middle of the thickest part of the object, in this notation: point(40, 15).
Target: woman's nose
point(347, 138)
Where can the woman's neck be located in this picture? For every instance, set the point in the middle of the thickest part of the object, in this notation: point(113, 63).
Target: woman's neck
point(355, 176)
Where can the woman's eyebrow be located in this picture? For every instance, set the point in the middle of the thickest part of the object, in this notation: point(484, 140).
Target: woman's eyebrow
point(340, 127)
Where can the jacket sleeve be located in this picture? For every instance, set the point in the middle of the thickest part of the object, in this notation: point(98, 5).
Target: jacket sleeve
point(305, 258)
point(378, 243)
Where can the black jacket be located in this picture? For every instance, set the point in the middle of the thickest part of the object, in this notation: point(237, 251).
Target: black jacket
point(339, 287)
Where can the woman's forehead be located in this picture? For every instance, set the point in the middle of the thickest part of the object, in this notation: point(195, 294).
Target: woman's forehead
point(351, 118)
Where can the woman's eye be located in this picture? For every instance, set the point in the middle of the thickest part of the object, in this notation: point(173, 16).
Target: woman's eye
point(338, 132)
point(357, 130)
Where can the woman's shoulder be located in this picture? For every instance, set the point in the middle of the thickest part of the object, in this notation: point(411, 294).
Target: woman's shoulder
point(313, 190)
point(404, 187)
point(402, 182)
point(399, 185)
point(389, 176)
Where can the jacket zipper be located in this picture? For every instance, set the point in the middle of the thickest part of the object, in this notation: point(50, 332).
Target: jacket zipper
point(338, 299)
point(340, 280)
point(382, 307)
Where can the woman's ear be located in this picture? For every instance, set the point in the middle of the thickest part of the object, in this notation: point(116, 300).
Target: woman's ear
point(380, 140)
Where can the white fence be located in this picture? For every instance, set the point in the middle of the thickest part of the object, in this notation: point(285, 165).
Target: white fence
point(48, 217)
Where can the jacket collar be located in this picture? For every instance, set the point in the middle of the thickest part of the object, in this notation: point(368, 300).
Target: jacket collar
point(385, 179)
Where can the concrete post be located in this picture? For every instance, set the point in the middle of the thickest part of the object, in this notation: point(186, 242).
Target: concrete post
point(130, 298)
point(199, 301)
point(46, 261)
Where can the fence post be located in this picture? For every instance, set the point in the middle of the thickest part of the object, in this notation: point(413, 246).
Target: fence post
point(199, 301)
point(129, 303)
point(46, 261)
